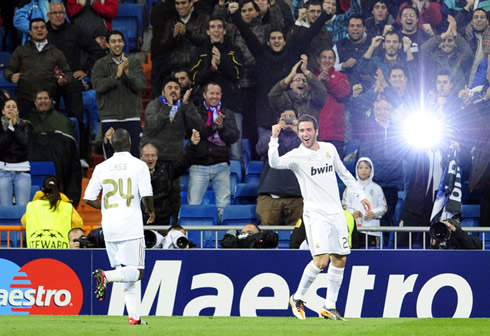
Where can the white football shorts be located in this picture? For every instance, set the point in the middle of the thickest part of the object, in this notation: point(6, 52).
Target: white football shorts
point(326, 233)
point(127, 253)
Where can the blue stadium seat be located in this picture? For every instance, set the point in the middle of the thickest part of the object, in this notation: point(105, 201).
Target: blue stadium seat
point(284, 237)
point(209, 197)
point(39, 171)
point(246, 193)
point(199, 215)
point(235, 176)
point(11, 215)
point(184, 181)
point(239, 214)
point(130, 17)
point(471, 217)
point(34, 190)
point(252, 173)
point(4, 84)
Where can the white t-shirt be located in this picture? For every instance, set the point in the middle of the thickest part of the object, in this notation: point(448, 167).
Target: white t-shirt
point(124, 180)
point(315, 171)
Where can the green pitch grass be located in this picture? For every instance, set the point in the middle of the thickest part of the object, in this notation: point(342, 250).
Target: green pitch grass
point(237, 326)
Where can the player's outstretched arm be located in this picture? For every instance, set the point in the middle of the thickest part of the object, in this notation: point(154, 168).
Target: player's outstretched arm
point(149, 209)
point(93, 203)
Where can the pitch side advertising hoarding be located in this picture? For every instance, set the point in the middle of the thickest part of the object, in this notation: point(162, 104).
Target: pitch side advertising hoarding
point(249, 283)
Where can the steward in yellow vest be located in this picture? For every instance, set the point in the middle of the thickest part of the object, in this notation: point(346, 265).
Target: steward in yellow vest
point(49, 218)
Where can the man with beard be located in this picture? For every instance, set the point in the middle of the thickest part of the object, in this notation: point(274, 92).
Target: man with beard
point(168, 119)
point(118, 81)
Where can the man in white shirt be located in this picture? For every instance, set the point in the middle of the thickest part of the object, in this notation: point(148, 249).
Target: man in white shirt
point(125, 182)
point(315, 164)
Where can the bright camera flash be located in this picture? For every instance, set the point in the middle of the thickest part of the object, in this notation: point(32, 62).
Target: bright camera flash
point(422, 130)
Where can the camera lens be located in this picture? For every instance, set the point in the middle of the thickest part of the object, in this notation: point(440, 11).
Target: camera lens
point(182, 242)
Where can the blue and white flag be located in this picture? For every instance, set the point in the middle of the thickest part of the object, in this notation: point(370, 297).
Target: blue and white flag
point(448, 200)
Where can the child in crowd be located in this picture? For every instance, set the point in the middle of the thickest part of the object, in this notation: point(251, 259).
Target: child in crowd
point(374, 193)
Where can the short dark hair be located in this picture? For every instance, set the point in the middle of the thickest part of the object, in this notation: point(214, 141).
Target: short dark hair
point(256, 7)
point(168, 80)
point(385, 2)
point(393, 33)
point(114, 32)
point(285, 108)
point(327, 49)
point(308, 118)
point(42, 90)
point(480, 9)
point(217, 18)
point(121, 140)
point(357, 17)
point(186, 70)
point(273, 30)
point(205, 89)
point(445, 72)
point(36, 20)
point(313, 2)
point(397, 67)
point(409, 7)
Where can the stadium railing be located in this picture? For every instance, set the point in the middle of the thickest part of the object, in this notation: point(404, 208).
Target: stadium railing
point(483, 231)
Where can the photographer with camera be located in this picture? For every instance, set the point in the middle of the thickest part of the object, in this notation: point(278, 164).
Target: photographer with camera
point(251, 237)
point(448, 234)
point(279, 201)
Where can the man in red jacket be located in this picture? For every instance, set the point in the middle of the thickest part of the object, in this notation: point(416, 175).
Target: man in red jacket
point(332, 115)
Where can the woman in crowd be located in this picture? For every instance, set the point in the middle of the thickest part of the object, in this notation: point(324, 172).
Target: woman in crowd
point(15, 135)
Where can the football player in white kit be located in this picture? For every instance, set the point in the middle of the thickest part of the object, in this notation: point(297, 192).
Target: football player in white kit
point(125, 183)
point(315, 164)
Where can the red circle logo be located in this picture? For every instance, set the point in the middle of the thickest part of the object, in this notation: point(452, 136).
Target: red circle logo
point(54, 288)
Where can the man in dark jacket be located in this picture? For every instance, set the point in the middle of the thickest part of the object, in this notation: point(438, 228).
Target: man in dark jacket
point(212, 156)
point(36, 65)
point(53, 139)
point(163, 174)
point(279, 200)
point(220, 62)
point(72, 40)
point(274, 61)
point(174, 43)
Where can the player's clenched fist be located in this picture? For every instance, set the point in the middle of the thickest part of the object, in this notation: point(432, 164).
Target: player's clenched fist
point(276, 129)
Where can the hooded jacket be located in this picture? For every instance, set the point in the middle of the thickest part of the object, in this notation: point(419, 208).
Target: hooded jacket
point(373, 193)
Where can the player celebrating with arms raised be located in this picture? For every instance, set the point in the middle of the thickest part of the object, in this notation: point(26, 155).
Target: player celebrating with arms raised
point(125, 181)
point(315, 164)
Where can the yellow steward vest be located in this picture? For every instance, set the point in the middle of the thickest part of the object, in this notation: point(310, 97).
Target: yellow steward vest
point(46, 228)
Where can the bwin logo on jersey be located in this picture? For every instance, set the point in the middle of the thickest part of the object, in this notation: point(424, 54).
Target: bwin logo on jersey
point(328, 168)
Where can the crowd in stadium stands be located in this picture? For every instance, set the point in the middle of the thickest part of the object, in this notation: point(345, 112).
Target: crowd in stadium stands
point(231, 70)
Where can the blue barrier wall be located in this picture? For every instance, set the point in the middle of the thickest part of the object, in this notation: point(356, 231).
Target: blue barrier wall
point(249, 283)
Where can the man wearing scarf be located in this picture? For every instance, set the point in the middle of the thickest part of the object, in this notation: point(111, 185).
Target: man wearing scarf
point(213, 152)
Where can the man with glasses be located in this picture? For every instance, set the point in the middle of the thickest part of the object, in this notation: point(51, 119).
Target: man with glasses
point(409, 17)
point(299, 89)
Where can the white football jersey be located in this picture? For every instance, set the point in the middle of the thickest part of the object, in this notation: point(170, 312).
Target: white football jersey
point(124, 180)
point(315, 171)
